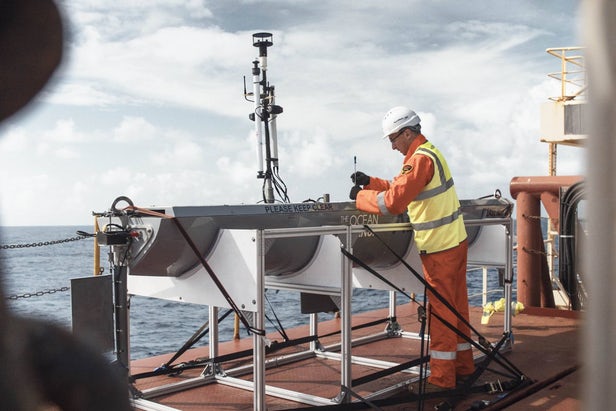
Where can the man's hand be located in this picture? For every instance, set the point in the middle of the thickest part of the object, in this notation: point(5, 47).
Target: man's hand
point(354, 191)
point(360, 178)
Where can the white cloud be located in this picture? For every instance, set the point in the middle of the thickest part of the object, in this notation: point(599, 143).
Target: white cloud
point(133, 129)
point(150, 100)
point(15, 139)
point(178, 154)
point(234, 172)
point(66, 153)
point(116, 176)
point(85, 94)
point(313, 155)
point(131, 18)
point(63, 132)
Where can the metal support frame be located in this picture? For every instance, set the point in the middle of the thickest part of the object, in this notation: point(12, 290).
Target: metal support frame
point(347, 293)
point(258, 341)
point(213, 340)
point(508, 277)
point(258, 385)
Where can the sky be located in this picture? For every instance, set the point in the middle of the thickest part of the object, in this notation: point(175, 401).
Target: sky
point(149, 101)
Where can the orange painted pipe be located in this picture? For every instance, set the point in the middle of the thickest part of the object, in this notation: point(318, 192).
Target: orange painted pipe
point(534, 288)
point(539, 184)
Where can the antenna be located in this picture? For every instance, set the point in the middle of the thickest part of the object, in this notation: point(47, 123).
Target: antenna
point(264, 116)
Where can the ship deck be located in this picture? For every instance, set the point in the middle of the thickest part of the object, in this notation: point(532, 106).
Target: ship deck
point(545, 350)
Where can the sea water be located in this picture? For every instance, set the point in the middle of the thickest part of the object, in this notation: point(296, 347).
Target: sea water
point(157, 326)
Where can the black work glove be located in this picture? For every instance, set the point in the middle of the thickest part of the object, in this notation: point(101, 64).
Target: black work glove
point(360, 178)
point(354, 191)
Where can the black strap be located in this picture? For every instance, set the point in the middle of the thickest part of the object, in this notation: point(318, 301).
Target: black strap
point(198, 363)
point(279, 328)
point(452, 396)
point(166, 369)
point(201, 332)
point(363, 265)
point(484, 346)
point(424, 282)
point(360, 326)
point(214, 278)
point(391, 370)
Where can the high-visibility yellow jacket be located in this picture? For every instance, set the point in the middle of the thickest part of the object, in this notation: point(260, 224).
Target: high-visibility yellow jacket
point(425, 189)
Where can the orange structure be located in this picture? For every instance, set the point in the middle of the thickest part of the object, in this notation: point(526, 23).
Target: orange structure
point(533, 278)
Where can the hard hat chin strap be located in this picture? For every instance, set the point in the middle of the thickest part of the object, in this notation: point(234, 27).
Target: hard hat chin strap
point(415, 129)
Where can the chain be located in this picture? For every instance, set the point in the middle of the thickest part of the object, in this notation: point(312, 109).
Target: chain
point(38, 293)
point(42, 243)
point(532, 251)
point(81, 236)
point(532, 217)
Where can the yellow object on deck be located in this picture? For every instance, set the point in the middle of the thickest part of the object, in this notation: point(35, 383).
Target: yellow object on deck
point(499, 306)
point(97, 251)
point(236, 328)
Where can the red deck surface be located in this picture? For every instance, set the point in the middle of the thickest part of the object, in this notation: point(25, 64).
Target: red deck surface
point(545, 350)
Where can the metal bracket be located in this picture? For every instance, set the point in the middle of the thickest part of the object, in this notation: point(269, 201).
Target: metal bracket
point(212, 369)
point(393, 328)
point(342, 395)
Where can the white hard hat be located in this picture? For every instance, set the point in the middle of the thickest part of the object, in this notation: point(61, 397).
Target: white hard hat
point(398, 118)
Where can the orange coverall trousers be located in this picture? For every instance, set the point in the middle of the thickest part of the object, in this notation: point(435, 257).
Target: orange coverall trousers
point(450, 354)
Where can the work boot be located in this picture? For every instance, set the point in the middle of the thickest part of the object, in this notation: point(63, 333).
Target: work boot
point(462, 379)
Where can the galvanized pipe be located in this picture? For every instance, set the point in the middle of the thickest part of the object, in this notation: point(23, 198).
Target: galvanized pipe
point(259, 324)
point(347, 293)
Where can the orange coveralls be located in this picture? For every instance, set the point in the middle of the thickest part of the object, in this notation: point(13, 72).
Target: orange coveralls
point(445, 271)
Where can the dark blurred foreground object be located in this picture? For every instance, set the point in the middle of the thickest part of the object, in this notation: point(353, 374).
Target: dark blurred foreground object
point(42, 366)
point(30, 50)
point(49, 367)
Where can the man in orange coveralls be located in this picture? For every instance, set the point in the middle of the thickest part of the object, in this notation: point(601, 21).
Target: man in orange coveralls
point(424, 188)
